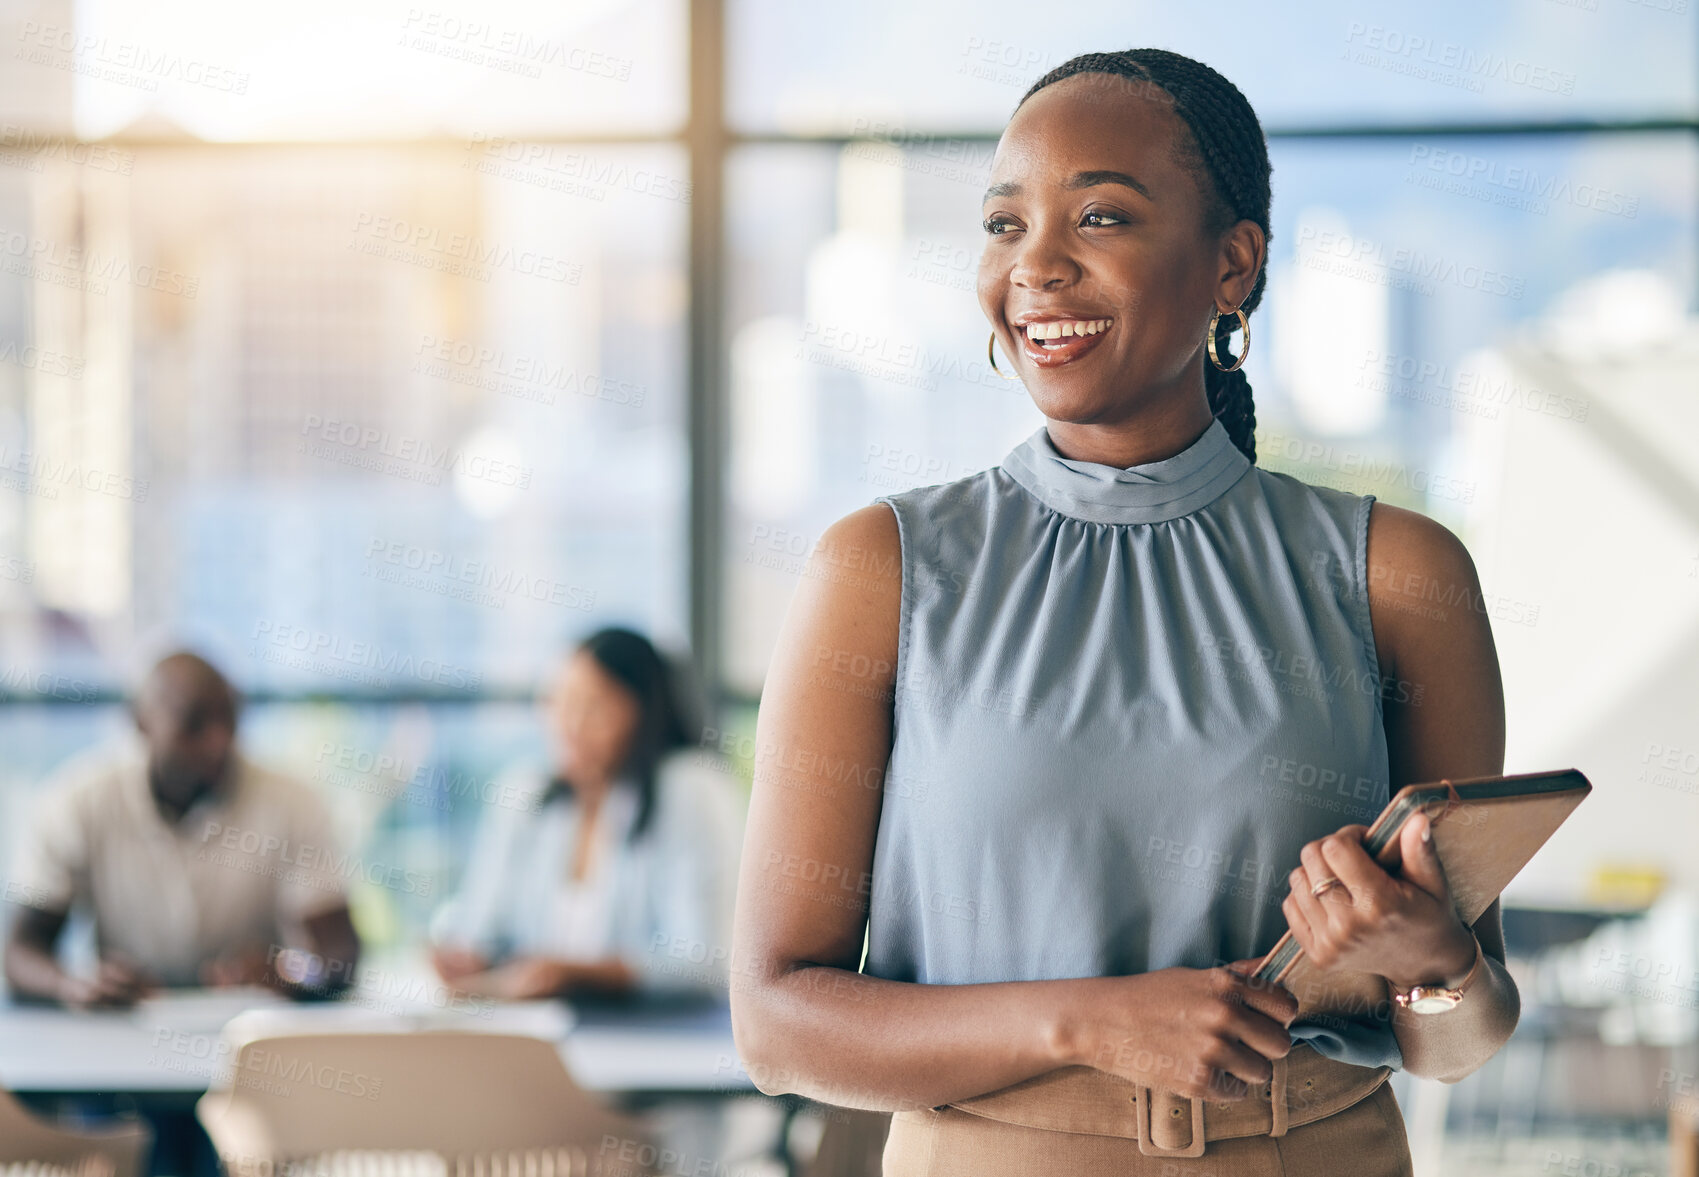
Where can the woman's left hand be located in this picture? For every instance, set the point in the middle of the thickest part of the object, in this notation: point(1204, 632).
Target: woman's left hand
point(1402, 927)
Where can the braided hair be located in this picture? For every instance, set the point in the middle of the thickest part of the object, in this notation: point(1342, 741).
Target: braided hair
point(1228, 155)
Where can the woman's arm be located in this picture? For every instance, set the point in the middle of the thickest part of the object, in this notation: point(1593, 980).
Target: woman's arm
point(1452, 729)
point(1444, 718)
point(804, 1018)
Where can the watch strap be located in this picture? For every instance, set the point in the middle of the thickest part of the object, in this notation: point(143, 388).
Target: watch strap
point(1404, 997)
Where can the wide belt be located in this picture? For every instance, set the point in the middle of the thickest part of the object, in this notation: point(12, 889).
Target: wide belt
point(1306, 1087)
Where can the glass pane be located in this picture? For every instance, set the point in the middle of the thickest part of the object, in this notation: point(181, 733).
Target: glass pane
point(955, 66)
point(362, 421)
point(331, 70)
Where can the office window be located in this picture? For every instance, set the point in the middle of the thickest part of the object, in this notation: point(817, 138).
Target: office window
point(1400, 267)
point(900, 69)
point(857, 355)
point(324, 70)
point(379, 421)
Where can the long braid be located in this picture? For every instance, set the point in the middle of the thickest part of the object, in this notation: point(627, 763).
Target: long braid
point(1229, 155)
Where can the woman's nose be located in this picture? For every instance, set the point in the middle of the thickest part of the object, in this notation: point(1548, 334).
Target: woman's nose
point(1040, 265)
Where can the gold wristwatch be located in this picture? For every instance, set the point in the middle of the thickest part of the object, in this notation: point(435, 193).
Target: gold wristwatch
point(1437, 999)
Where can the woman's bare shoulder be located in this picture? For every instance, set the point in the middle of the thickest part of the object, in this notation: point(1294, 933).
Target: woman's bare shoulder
point(850, 596)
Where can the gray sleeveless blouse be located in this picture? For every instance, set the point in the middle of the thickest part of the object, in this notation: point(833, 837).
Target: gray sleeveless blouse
point(1125, 699)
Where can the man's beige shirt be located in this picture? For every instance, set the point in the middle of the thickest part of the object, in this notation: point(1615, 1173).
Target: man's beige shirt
point(240, 870)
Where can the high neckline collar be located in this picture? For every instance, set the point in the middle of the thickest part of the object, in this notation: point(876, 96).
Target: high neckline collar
point(1149, 493)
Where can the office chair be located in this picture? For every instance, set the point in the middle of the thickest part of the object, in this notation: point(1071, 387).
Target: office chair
point(423, 1104)
point(31, 1145)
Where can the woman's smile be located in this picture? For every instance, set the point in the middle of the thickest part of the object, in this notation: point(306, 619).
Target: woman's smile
point(1051, 342)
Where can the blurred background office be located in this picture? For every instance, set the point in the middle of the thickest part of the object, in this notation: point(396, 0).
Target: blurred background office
point(382, 351)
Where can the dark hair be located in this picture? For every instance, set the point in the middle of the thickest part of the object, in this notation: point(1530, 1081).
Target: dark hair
point(1229, 156)
point(667, 718)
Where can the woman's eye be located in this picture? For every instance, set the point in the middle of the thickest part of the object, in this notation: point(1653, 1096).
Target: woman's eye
point(1102, 218)
point(995, 225)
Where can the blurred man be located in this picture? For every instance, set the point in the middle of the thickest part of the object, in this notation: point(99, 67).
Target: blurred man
point(197, 865)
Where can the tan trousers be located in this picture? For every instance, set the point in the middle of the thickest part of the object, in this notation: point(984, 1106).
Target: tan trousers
point(1364, 1140)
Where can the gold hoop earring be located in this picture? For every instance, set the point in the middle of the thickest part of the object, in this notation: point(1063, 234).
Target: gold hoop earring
point(1244, 326)
point(991, 355)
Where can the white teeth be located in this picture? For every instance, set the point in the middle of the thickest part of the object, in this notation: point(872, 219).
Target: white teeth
point(1066, 328)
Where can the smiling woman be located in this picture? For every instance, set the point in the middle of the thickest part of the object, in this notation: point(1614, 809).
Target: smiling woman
point(1142, 246)
point(1061, 902)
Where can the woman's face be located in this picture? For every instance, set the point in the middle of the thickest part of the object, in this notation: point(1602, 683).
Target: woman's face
point(1095, 231)
point(592, 718)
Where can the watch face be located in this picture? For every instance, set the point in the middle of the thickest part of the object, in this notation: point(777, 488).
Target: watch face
point(1429, 1001)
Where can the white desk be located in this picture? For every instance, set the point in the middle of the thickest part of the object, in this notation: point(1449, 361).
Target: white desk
point(178, 1046)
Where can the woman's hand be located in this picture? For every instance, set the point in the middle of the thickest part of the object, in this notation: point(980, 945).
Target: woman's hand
point(523, 979)
point(1403, 928)
point(1202, 1033)
point(451, 964)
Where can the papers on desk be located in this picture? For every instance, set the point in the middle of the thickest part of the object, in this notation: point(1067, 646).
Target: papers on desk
point(201, 1011)
point(548, 1020)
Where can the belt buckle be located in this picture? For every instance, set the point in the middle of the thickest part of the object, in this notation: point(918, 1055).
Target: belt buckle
point(1143, 1101)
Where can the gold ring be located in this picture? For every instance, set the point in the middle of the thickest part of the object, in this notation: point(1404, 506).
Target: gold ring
point(1323, 886)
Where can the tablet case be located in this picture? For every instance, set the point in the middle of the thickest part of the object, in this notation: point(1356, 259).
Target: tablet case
point(1485, 830)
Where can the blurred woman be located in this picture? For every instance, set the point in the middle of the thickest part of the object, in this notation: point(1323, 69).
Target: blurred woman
point(613, 871)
